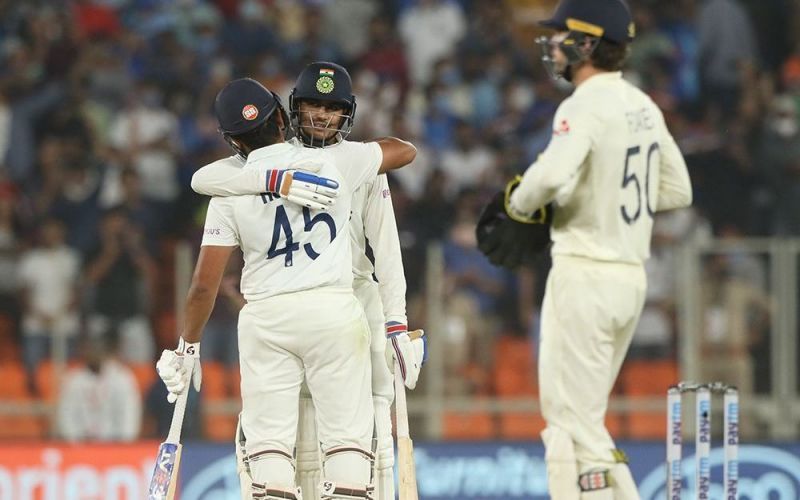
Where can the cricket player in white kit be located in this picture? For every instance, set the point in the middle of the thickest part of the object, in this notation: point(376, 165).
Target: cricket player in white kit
point(301, 321)
point(322, 115)
point(610, 165)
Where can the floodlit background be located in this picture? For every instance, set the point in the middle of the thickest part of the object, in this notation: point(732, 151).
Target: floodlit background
point(105, 113)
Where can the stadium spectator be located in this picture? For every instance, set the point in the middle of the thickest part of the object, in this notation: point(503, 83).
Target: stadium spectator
point(99, 400)
point(120, 277)
point(779, 160)
point(430, 29)
point(48, 279)
point(145, 137)
point(727, 52)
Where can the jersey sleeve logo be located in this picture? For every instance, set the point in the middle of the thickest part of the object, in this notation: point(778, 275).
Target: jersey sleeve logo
point(562, 128)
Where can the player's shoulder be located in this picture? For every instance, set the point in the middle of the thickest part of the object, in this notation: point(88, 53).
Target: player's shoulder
point(230, 161)
point(352, 147)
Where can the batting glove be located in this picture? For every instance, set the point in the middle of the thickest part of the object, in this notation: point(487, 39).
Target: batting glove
point(408, 351)
point(303, 188)
point(176, 368)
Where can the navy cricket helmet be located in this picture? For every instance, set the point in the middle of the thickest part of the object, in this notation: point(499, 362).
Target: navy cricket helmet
point(608, 19)
point(326, 82)
point(586, 22)
point(242, 106)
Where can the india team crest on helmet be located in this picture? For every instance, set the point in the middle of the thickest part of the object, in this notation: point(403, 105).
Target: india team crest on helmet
point(325, 84)
point(250, 112)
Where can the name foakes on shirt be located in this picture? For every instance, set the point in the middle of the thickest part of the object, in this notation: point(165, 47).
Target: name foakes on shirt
point(640, 120)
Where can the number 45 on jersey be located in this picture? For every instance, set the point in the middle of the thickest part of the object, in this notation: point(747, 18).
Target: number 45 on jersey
point(283, 227)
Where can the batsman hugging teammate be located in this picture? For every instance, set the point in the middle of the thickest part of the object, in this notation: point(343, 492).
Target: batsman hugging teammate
point(322, 108)
point(610, 165)
point(297, 260)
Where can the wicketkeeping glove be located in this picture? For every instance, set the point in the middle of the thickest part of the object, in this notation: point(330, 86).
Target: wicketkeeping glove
point(508, 238)
point(176, 368)
point(303, 188)
point(409, 350)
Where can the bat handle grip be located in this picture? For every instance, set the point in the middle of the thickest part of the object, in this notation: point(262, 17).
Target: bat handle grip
point(401, 409)
point(175, 427)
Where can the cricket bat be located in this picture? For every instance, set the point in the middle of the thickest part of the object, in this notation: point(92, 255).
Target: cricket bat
point(165, 474)
point(407, 475)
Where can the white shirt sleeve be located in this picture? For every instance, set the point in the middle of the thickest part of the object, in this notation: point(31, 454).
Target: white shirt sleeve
point(220, 226)
point(228, 178)
point(70, 419)
point(574, 132)
point(380, 228)
point(363, 159)
point(674, 185)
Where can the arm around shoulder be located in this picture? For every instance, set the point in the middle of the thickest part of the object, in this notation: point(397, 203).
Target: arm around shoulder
point(397, 153)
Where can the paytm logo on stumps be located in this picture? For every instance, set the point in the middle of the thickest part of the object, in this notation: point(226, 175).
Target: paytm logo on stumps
point(677, 434)
point(765, 473)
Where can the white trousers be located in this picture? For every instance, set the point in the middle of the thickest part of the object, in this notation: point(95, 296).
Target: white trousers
point(317, 335)
point(370, 299)
point(589, 314)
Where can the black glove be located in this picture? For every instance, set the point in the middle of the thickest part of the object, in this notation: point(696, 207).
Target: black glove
point(511, 242)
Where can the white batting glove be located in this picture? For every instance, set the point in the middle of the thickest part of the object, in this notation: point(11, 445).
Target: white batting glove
point(408, 350)
point(176, 368)
point(303, 187)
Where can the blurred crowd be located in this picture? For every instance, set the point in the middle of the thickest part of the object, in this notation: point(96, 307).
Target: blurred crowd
point(105, 113)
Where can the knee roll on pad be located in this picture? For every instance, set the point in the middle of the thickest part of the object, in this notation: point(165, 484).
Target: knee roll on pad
point(329, 490)
point(271, 466)
point(309, 466)
point(269, 492)
point(347, 473)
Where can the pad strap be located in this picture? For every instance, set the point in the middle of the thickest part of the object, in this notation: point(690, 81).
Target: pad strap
point(594, 480)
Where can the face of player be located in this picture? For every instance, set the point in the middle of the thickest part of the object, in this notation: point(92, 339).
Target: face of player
point(554, 58)
point(320, 119)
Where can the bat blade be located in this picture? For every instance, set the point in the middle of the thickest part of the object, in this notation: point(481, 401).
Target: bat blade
point(407, 476)
point(165, 474)
point(406, 472)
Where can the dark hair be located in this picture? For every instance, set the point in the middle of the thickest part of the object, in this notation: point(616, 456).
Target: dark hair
point(264, 135)
point(610, 56)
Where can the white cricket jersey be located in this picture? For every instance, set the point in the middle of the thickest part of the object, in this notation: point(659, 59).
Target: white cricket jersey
point(376, 245)
point(286, 247)
point(373, 228)
point(610, 165)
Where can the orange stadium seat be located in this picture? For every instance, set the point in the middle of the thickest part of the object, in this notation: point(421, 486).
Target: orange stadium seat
point(514, 372)
point(13, 381)
point(214, 381)
point(145, 374)
point(235, 381)
point(14, 388)
point(468, 426)
point(521, 426)
point(614, 424)
point(216, 388)
point(219, 427)
point(647, 379)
